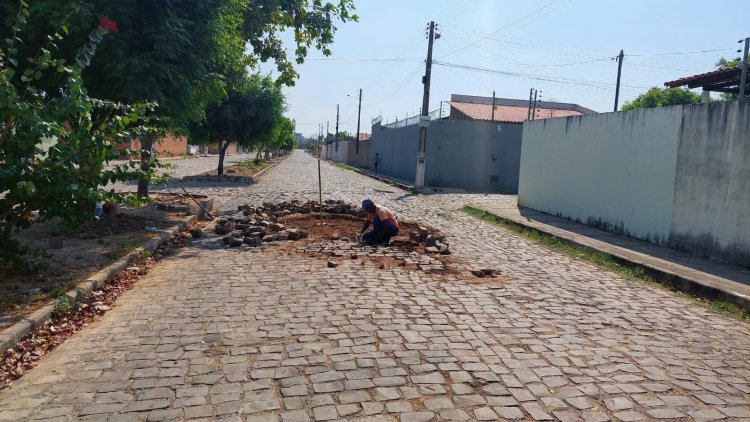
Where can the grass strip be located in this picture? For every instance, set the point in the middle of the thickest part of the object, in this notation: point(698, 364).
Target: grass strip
point(604, 260)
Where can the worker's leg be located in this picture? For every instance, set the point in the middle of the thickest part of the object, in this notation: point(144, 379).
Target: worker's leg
point(392, 232)
point(376, 227)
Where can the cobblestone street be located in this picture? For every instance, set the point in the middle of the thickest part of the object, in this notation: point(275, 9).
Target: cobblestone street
point(222, 334)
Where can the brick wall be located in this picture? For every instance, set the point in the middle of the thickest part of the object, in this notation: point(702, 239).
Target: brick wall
point(169, 146)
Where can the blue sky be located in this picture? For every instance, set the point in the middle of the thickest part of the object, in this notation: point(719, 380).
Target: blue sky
point(563, 48)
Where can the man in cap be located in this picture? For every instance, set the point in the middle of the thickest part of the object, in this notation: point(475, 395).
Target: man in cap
point(384, 224)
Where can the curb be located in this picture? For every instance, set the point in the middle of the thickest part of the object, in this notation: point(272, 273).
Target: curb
point(258, 174)
point(705, 286)
point(220, 179)
point(16, 332)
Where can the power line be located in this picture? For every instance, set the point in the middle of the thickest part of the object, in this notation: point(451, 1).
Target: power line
point(596, 84)
point(549, 7)
point(367, 59)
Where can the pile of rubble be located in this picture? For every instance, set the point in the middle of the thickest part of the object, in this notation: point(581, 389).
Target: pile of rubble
point(434, 241)
point(259, 225)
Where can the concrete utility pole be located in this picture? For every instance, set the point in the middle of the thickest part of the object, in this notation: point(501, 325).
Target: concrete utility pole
point(493, 105)
point(619, 73)
point(356, 142)
point(533, 110)
point(743, 77)
point(419, 182)
point(531, 94)
point(337, 130)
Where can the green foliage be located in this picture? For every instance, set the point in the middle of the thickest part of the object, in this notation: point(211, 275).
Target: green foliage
point(54, 148)
point(311, 21)
point(662, 97)
point(345, 136)
point(62, 307)
point(248, 116)
point(728, 64)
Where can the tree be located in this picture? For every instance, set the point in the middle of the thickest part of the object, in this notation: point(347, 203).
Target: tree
point(728, 64)
point(311, 21)
point(185, 55)
point(53, 149)
point(662, 97)
point(248, 116)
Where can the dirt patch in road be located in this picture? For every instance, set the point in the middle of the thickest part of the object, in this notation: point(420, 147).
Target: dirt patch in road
point(417, 247)
point(243, 168)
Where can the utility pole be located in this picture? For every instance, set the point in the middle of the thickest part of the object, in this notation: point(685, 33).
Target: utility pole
point(743, 77)
point(531, 94)
point(493, 105)
point(419, 182)
point(320, 181)
point(533, 110)
point(356, 148)
point(337, 131)
point(619, 72)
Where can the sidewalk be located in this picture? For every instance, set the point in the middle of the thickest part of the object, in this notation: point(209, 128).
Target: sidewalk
point(680, 270)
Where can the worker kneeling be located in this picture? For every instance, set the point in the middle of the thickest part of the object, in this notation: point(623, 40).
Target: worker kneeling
point(384, 224)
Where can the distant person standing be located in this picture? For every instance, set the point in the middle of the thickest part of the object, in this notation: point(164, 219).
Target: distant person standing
point(376, 162)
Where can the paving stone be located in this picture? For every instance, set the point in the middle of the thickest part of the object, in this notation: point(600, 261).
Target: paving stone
point(429, 378)
point(665, 413)
point(353, 397)
point(260, 406)
point(416, 416)
point(165, 415)
point(295, 416)
point(594, 417)
point(398, 406)
point(706, 415)
point(347, 409)
point(438, 403)
point(454, 415)
point(325, 413)
point(736, 412)
point(485, 414)
point(618, 403)
point(509, 412)
point(372, 408)
point(536, 411)
point(629, 415)
point(142, 405)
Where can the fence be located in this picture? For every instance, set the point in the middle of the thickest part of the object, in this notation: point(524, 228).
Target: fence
point(413, 120)
point(461, 154)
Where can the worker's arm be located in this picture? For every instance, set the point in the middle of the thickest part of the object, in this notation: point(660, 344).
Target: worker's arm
point(364, 228)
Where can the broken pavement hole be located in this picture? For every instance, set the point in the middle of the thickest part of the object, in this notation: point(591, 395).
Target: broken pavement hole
point(295, 227)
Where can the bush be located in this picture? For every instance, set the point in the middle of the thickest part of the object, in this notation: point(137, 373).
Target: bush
point(55, 143)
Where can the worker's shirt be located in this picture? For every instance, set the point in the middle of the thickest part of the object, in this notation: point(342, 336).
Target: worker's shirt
point(384, 214)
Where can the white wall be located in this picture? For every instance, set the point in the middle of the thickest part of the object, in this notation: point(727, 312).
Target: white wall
point(677, 175)
point(613, 170)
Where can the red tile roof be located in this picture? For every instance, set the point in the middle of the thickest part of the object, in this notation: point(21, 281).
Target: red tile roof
point(508, 114)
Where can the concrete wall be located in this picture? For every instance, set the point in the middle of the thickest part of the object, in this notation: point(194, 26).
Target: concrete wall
point(612, 170)
point(471, 155)
point(711, 213)
point(347, 152)
point(677, 175)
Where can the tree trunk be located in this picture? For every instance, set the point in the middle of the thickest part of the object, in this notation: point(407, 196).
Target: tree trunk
point(147, 146)
point(223, 146)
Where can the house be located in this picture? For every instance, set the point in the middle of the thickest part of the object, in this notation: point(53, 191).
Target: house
point(508, 110)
